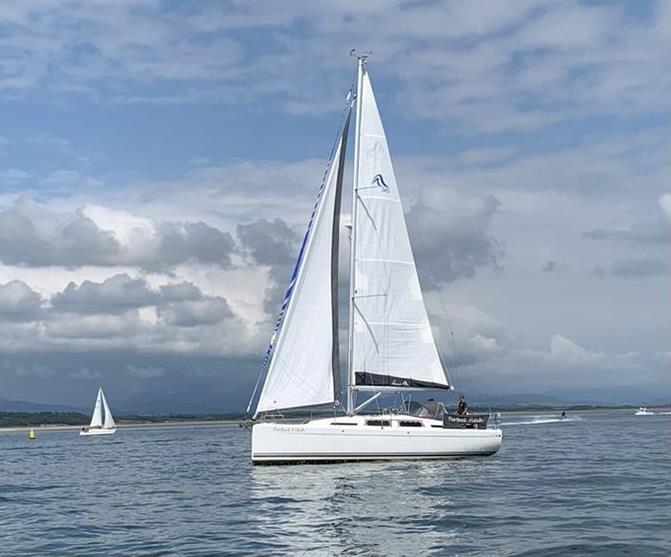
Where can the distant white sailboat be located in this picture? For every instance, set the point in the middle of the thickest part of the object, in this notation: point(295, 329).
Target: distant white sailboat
point(102, 422)
point(390, 342)
point(643, 411)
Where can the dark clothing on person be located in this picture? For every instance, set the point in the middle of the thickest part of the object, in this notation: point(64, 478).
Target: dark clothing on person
point(462, 408)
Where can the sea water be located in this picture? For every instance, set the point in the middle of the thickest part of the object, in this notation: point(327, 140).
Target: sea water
point(595, 484)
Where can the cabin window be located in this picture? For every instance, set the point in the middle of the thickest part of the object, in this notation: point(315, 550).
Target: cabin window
point(343, 423)
point(410, 424)
point(379, 423)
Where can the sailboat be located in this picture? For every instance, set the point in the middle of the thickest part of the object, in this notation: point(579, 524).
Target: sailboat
point(391, 348)
point(102, 422)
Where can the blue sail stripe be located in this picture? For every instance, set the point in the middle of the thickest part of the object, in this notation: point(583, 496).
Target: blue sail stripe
point(301, 253)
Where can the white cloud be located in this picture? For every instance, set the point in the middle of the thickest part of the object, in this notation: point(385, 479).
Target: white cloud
point(148, 372)
point(665, 205)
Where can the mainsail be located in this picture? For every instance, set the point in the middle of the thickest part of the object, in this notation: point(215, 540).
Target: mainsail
point(393, 345)
point(303, 369)
point(97, 418)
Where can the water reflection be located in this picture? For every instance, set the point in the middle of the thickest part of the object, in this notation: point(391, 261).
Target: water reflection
point(365, 508)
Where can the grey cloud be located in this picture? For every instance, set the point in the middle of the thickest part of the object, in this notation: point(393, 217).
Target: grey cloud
point(450, 235)
point(648, 233)
point(182, 242)
point(180, 292)
point(638, 268)
point(19, 302)
point(33, 236)
point(196, 312)
point(275, 244)
point(85, 373)
point(552, 266)
point(91, 331)
point(114, 295)
point(269, 242)
point(145, 372)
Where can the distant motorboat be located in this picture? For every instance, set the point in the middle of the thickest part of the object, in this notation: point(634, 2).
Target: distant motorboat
point(643, 411)
point(102, 422)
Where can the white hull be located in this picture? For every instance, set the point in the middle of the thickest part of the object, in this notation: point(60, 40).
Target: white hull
point(97, 431)
point(328, 440)
point(643, 412)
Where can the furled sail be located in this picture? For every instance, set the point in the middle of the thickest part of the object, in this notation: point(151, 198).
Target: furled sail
point(97, 418)
point(393, 342)
point(303, 368)
point(109, 420)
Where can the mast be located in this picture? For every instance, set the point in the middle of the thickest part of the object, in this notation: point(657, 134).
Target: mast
point(352, 262)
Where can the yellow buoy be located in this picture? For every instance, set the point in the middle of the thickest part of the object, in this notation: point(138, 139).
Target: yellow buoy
point(31, 434)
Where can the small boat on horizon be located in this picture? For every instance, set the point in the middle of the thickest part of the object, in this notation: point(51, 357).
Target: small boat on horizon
point(390, 343)
point(102, 421)
point(643, 411)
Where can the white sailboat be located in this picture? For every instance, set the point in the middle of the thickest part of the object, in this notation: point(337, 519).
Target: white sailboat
point(102, 422)
point(390, 342)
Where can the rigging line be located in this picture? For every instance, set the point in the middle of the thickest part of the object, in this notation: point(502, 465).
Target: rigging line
point(280, 319)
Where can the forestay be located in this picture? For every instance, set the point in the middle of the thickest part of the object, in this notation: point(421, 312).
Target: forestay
point(393, 341)
point(304, 361)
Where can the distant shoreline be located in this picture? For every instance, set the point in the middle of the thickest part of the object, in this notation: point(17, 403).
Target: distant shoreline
point(167, 422)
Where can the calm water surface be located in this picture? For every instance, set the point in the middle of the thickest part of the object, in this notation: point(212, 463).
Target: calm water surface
point(599, 485)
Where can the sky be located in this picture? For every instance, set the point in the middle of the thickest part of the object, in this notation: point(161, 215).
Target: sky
point(159, 161)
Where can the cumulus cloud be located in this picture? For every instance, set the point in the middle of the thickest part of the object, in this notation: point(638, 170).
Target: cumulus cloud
point(114, 295)
point(195, 312)
point(452, 235)
point(19, 302)
point(32, 235)
point(273, 244)
point(180, 292)
point(123, 313)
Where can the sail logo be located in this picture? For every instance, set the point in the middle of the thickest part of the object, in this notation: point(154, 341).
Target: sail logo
point(379, 180)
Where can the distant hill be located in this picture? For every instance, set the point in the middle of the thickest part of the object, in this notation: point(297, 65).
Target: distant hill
point(607, 396)
point(172, 403)
point(7, 405)
point(514, 399)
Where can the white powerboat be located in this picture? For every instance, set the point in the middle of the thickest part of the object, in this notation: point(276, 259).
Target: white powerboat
point(391, 348)
point(643, 411)
point(102, 422)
